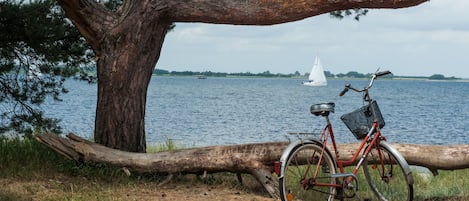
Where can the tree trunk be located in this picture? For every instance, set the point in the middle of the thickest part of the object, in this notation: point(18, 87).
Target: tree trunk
point(125, 67)
point(254, 159)
point(127, 46)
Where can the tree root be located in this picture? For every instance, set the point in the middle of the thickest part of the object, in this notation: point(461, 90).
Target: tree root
point(167, 180)
point(264, 177)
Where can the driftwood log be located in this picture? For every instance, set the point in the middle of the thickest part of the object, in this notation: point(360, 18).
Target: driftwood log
point(254, 159)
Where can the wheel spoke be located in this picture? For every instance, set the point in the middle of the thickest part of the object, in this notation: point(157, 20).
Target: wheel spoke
point(308, 175)
point(386, 176)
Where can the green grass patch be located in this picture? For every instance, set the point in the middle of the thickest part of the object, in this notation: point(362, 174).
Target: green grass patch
point(446, 184)
point(167, 145)
point(27, 156)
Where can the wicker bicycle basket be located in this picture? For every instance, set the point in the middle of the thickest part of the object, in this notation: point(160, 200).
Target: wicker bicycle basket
point(360, 121)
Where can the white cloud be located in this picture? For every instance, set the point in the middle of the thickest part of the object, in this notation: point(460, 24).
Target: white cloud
point(413, 41)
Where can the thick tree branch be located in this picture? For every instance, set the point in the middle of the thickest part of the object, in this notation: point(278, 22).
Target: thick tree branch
point(238, 158)
point(90, 17)
point(267, 12)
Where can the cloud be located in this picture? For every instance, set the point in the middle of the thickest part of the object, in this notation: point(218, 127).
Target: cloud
point(412, 41)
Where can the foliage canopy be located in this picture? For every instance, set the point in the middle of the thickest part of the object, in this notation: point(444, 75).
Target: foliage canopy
point(39, 49)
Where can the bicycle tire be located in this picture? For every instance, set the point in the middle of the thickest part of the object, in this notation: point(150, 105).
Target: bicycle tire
point(304, 160)
point(390, 179)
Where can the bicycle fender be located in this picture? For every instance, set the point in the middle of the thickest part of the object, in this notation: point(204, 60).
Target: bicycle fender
point(401, 160)
point(289, 149)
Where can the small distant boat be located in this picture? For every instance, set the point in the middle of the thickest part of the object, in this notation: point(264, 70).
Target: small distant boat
point(317, 76)
point(201, 77)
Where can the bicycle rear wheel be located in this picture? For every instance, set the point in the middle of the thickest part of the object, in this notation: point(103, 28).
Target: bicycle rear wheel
point(298, 182)
point(388, 174)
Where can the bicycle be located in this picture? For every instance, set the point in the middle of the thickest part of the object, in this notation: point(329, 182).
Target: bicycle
point(308, 171)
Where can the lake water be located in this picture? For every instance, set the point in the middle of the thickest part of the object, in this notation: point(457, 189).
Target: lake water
point(222, 111)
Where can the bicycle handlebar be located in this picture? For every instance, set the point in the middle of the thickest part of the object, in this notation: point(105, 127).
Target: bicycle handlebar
point(378, 74)
point(347, 86)
point(373, 77)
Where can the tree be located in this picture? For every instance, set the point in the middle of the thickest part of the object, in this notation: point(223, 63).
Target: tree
point(328, 74)
point(297, 74)
point(39, 48)
point(437, 77)
point(127, 44)
point(355, 74)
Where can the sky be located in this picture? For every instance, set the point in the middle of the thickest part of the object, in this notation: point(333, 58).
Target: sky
point(432, 38)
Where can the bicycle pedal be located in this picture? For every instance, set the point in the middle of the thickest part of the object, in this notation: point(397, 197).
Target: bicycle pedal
point(339, 194)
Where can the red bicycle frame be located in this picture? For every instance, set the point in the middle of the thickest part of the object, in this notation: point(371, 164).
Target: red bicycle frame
point(372, 139)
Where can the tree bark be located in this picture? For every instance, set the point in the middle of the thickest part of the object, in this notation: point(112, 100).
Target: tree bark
point(124, 72)
point(127, 43)
point(268, 12)
point(254, 159)
point(127, 48)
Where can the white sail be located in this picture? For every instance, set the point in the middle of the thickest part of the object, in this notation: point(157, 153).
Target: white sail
point(317, 76)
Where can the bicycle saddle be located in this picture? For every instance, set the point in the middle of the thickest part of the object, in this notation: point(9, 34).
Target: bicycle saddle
point(322, 109)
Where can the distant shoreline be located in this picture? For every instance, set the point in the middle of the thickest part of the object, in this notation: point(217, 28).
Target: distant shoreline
point(335, 78)
point(431, 80)
point(298, 75)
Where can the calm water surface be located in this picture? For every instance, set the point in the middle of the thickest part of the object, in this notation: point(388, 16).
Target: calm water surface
point(195, 112)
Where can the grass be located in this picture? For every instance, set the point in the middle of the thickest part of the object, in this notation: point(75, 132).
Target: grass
point(446, 184)
point(168, 145)
point(26, 157)
point(30, 170)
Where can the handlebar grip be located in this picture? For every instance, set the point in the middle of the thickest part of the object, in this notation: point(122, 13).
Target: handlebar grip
point(382, 73)
point(345, 90)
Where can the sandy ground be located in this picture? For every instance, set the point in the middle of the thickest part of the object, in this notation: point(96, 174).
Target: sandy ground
point(62, 187)
point(69, 188)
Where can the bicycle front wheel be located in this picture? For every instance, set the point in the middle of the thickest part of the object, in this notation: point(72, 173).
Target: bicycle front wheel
point(388, 174)
point(307, 174)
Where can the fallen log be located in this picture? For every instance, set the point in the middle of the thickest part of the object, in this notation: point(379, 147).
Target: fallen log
point(433, 157)
point(254, 159)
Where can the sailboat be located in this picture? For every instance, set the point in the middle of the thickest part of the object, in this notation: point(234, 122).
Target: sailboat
point(317, 76)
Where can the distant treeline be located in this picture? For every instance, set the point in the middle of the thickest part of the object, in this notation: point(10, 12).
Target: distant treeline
point(220, 74)
point(351, 74)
